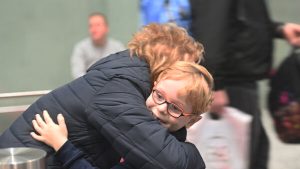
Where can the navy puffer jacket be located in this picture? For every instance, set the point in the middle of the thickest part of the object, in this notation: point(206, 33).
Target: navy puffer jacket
point(107, 118)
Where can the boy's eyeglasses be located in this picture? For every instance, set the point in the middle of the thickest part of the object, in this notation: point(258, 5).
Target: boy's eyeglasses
point(172, 108)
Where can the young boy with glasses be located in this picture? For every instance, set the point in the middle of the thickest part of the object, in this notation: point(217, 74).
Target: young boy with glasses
point(180, 95)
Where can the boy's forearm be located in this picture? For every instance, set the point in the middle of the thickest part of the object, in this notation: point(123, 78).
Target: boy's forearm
point(72, 158)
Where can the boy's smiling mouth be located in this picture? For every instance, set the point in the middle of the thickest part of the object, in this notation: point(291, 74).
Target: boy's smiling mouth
point(158, 119)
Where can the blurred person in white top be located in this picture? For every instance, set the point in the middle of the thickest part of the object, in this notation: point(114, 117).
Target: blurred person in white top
point(95, 47)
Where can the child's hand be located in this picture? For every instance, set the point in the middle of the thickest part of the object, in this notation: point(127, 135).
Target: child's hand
point(55, 135)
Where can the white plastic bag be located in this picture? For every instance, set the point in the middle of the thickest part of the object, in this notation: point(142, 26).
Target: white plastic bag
point(224, 142)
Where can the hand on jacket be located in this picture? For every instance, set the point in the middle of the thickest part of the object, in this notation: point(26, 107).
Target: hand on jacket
point(54, 135)
point(291, 32)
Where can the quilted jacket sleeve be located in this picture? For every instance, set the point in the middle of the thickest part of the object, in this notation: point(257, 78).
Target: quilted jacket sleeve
point(119, 113)
point(72, 158)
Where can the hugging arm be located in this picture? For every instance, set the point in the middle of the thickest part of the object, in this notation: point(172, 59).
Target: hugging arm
point(120, 114)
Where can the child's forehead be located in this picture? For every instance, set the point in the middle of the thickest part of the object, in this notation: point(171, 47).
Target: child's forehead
point(176, 86)
point(172, 81)
point(175, 77)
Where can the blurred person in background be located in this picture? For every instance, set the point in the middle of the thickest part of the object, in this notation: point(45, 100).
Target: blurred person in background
point(166, 11)
point(97, 46)
point(238, 39)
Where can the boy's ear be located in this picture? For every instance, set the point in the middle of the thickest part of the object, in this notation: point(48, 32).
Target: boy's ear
point(193, 121)
point(155, 83)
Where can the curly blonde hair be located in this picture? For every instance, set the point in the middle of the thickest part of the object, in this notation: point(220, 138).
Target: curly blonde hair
point(163, 44)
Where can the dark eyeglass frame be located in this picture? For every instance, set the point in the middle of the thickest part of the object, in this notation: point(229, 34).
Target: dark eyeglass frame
point(163, 100)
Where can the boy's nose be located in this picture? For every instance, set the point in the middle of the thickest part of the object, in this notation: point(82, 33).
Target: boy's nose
point(163, 108)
